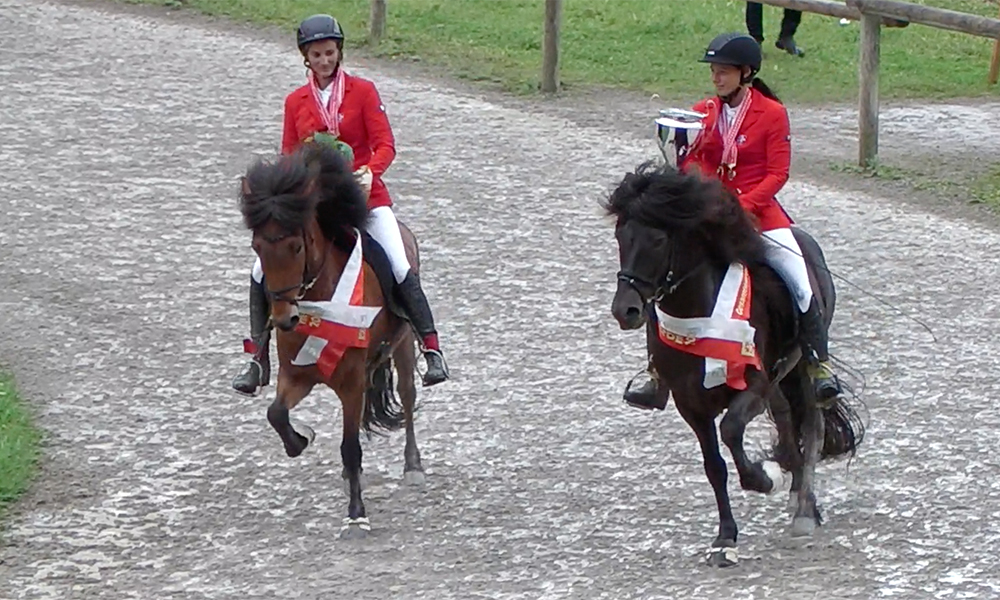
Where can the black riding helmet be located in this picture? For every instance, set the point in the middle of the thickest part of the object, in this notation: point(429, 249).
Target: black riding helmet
point(319, 27)
point(737, 49)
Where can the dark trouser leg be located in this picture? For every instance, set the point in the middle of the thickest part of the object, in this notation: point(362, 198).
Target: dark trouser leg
point(415, 303)
point(257, 372)
point(814, 334)
point(789, 25)
point(790, 22)
point(755, 21)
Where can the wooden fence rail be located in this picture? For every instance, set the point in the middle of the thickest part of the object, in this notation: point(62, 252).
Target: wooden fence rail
point(872, 14)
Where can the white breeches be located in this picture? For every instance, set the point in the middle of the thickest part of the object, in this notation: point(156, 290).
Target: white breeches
point(385, 230)
point(785, 257)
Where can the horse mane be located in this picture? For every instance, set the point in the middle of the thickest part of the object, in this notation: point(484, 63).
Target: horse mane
point(696, 209)
point(291, 187)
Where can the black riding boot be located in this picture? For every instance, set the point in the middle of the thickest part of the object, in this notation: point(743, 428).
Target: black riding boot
point(415, 302)
point(814, 335)
point(257, 373)
point(646, 396)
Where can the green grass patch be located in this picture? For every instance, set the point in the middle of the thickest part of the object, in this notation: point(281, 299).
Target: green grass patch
point(18, 444)
point(986, 188)
point(982, 188)
point(644, 45)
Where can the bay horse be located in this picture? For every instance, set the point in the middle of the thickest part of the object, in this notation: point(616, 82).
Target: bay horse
point(678, 234)
point(306, 211)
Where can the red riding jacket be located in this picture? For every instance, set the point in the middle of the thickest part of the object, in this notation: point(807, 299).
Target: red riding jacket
point(364, 127)
point(764, 154)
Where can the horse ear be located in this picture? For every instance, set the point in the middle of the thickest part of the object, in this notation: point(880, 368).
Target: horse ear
point(244, 186)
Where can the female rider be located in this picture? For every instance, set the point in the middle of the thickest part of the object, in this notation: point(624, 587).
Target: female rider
point(348, 108)
point(745, 142)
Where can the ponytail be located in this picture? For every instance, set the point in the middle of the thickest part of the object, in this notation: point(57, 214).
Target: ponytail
point(759, 85)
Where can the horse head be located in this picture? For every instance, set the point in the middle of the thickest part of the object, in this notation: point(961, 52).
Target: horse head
point(296, 206)
point(669, 226)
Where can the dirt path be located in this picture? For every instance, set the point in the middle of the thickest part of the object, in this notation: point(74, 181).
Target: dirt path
point(124, 269)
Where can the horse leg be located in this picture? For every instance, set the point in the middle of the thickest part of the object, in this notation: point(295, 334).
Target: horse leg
point(787, 452)
point(295, 436)
point(356, 524)
point(807, 515)
point(723, 552)
point(760, 476)
point(406, 363)
point(787, 421)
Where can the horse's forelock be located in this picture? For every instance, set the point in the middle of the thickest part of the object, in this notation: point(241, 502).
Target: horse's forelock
point(684, 204)
point(282, 190)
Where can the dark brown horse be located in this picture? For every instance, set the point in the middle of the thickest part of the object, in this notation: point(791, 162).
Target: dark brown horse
point(677, 236)
point(306, 211)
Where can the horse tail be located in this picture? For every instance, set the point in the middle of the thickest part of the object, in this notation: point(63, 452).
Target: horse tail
point(843, 430)
point(382, 410)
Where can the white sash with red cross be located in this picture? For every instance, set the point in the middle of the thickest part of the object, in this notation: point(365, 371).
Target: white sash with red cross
point(339, 323)
point(725, 339)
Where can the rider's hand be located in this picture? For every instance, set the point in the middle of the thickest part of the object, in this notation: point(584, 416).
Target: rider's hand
point(364, 176)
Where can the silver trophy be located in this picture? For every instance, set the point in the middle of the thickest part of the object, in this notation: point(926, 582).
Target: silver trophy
point(676, 130)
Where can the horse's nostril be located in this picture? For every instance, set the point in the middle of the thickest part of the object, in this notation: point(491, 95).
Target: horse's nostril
point(633, 312)
point(289, 323)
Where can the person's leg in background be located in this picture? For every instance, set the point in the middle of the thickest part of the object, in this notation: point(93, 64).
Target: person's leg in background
point(789, 25)
point(755, 21)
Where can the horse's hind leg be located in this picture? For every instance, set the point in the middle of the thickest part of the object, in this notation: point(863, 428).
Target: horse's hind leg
point(787, 453)
point(405, 358)
point(807, 515)
point(356, 524)
point(760, 476)
point(723, 552)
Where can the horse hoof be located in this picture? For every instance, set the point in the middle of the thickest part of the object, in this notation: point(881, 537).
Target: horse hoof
point(722, 557)
point(779, 480)
point(414, 478)
point(803, 527)
point(305, 431)
point(355, 529)
point(362, 480)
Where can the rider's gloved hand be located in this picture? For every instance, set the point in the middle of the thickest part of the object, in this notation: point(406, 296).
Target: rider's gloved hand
point(364, 175)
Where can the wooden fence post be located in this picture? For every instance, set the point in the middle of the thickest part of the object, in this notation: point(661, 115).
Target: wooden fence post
point(868, 66)
point(550, 47)
point(377, 22)
point(995, 63)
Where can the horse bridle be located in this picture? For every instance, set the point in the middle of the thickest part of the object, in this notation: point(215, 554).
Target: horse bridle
point(666, 286)
point(307, 281)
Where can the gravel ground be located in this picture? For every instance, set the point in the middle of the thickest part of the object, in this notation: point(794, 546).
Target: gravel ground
point(125, 265)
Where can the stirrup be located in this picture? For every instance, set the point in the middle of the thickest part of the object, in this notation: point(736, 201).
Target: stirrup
point(444, 365)
point(644, 397)
point(248, 372)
